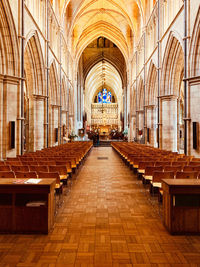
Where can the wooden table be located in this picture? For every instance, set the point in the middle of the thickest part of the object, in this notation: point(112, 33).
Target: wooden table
point(17, 211)
point(181, 205)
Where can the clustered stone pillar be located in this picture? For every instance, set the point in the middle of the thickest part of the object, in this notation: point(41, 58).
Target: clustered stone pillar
point(151, 124)
point(168, 128)
point(36, 122)
point(9, 93)
point(141, 125)
point(54, 121)
point(194, 114)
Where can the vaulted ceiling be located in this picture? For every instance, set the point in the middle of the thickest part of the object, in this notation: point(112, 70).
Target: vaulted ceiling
point(120, 21)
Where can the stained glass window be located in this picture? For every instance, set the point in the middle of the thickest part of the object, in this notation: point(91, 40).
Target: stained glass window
point(104, 97)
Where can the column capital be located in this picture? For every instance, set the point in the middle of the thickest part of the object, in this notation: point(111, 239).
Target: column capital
point(168, 97)
point(150, 106)
point(39, 97)
point(1, 77)
point(11, 79)
point(55, 106)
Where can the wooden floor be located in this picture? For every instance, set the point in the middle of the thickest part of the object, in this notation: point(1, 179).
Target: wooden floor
point(108, 219)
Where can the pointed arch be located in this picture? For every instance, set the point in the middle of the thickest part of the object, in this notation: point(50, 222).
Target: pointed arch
point(194, 52)
point(9, 49)
point(172, 66)
point(34, 65)
point(53, 81)
point(152, 84)
point(105, 30)
point(108, 57)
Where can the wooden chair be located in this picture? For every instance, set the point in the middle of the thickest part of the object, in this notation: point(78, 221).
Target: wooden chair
point(194, 163)
point(157, 177)
point(48, 163)
point(5, 168)
point(26, 175)
point(7, 174)
point(14, 163)
point(41, 159)
point(62, 170)
point(196, 168)
point(187, 175)
point(2, 163)
point(136, 160)
point(12, 159)
point(172, 168)
point(20, 168)
point(65, 163)
point(29, 163)
point(196, 159)
point(141, 167)
point(185, 160)
point(188, 168)
point(37, 168)
point(148, 175)
point(71, 160)
point(180, 163)
point(143, 164)
point(163, 163)
point(26, 158)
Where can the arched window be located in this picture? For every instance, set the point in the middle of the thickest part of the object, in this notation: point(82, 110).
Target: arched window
point(104, 97)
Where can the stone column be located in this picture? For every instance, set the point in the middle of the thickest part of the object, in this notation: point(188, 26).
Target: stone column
point(46, 121)
point(193, 114)
point(169, 122)
point(151, 119)
point(54, 123)
point(9, 94)
point(36, 122)
point(140, 124)
point(133, 127)
point(64, 122)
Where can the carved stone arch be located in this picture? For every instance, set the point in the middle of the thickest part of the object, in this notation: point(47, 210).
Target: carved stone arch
point(152, 84)
point(54, 101)
point(173, 63)
point(104, 30)
point(34, 65)
point(9, 55)
point(53, 82)
point(194, 52)
point(113, 61)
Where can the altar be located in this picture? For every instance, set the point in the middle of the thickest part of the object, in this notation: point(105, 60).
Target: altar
point(104, 115)
point(104, 132)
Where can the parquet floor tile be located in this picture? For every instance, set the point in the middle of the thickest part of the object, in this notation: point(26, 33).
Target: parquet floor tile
point(107, 220)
